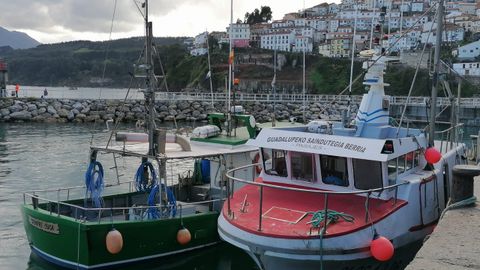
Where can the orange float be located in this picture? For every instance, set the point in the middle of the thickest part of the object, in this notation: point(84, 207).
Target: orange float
point(183, 236)
point(114, 241)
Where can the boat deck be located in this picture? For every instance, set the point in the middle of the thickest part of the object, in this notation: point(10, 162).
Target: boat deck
point(284, 215)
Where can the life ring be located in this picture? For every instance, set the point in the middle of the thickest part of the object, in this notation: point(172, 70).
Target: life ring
point(258, 168)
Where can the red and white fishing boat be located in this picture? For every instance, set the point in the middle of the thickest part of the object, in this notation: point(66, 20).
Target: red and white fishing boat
point(381, 188)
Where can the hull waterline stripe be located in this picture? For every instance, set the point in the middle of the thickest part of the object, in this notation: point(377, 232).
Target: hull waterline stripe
point(70, 264)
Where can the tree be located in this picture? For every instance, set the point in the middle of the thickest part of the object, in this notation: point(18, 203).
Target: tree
point(259, 16)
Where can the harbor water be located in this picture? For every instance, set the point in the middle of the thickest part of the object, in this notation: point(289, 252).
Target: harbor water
point(46, 156)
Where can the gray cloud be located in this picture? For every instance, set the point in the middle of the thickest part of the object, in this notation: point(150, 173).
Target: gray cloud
point(79, 15)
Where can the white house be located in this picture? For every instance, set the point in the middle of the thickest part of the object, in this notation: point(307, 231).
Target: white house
point(301, 43)
point(451, 33)
point(280, 40)
point(467, 8)
point(200, 45)
point(418, 6)
point(467, 69)
point(239, 34)
point(468, 51)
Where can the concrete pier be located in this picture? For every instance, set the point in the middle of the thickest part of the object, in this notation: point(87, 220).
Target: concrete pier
point(455, 243)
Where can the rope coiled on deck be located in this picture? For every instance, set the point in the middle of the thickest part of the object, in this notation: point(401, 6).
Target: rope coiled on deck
point(332, 217)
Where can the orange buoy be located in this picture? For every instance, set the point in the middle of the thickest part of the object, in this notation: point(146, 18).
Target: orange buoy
point(432, 155)
point(381, 249)
point(183, 236)
point(114, 241)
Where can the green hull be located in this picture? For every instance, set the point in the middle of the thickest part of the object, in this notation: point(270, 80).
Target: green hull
point(75, 244)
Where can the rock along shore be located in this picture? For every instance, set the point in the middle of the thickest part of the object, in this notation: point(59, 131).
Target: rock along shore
point(85, 111)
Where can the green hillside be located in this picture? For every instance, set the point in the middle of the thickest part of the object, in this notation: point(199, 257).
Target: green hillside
point(82, 63)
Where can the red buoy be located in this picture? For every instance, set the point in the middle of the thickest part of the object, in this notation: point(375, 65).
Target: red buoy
point(381, 249)
point(432, 155)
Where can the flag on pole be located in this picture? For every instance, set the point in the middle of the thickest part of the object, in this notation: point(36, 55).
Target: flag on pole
point(209, 74)
point(231, 57)
point(274, 80)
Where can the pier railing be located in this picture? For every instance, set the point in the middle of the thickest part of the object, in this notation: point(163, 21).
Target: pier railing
point(326, 193)
point(137, 94)
point(450, 137)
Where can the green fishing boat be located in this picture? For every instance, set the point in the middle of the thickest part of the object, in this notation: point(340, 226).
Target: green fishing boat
point(106, 222)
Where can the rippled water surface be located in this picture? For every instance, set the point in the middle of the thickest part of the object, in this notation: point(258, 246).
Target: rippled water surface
point(40, 156)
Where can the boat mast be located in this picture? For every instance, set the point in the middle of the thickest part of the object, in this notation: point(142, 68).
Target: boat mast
point(351, 64)
point(230, 70)
point(304, 82)
point(437, 64)
point(149, 81)
point(209, 67)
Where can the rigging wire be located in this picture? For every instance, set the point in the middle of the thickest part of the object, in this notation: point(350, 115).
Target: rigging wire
point(139, 9)
point(107, 50)
point(413, 80)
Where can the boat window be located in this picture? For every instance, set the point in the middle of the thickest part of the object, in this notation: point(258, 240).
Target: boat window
point(367, 174)
point(334, 170)
point(416, 159)
point(392, 171)
point(409, 157)
point(274, 162)
point(401, 164)
point(303, 166)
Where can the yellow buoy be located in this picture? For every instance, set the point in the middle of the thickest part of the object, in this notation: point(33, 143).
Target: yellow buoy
point(114, 241)
point(183, 236)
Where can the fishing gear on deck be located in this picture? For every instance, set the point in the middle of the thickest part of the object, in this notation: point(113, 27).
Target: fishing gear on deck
point(94, 181)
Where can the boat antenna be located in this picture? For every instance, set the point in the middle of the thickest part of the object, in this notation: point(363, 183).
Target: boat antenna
point(437, 65)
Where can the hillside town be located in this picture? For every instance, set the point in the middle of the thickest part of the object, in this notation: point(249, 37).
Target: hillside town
point(334, 30)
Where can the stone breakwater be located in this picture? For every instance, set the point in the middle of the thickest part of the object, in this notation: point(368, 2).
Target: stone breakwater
point(85, 111)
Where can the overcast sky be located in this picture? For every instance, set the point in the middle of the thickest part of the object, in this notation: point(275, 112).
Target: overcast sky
point(50, 21)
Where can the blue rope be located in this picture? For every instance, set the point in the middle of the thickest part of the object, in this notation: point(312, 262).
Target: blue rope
point(152, 212)
point(94, 183)
point(141, 182)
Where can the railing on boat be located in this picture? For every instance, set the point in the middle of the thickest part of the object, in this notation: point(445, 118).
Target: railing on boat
point(54, 206)
point(327, 194)
point(450, 137)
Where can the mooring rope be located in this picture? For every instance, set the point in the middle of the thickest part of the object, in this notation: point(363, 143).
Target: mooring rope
point(333, 216)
